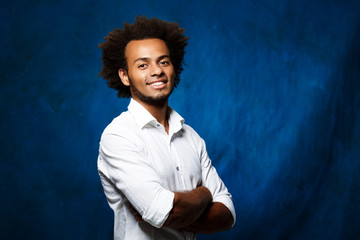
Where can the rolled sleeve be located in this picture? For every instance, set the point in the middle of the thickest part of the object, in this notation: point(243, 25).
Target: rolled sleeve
point(159, 209)
point(227, 201)
point(128, 168)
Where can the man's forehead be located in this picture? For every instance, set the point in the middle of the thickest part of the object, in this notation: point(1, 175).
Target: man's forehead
point(144, 47)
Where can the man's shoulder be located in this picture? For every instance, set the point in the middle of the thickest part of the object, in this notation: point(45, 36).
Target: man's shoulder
point(188, 130)
point(121, 134)
point(123, 124)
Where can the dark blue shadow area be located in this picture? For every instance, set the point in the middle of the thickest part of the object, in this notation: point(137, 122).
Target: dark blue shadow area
point(272, 86)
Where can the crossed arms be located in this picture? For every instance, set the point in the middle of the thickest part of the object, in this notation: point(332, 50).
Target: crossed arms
point(205, 209)
point(194, 211)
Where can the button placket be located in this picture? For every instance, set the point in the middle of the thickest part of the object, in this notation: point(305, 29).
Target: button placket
point(178, 165)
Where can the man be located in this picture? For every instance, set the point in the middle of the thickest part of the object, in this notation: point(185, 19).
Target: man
point(154, 169)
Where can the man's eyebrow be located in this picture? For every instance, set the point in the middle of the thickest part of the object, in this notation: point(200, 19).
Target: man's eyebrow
point(146, 59)
point(163, 56)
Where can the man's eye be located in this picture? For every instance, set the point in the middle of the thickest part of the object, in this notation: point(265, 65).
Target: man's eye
point(164, 63)
point(142, 66)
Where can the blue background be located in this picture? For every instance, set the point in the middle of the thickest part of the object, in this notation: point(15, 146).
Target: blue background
point(272, 86)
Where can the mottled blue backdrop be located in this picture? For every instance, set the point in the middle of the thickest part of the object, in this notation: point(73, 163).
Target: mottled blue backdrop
point(273, 87)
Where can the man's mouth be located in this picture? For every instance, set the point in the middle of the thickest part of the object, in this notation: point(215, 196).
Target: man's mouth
point(158, 84)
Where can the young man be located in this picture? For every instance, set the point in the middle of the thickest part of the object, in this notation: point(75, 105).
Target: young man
point(155, 170)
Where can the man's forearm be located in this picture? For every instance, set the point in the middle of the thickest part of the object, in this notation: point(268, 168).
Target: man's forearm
point(215, 218)
point(188, 207)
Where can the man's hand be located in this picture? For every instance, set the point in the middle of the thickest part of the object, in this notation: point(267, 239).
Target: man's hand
point(188, 207)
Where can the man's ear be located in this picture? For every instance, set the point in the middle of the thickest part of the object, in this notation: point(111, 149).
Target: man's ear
point(124, 77)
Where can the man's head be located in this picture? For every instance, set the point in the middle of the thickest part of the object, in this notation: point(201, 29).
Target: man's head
point(115, 47)
point(150, 73)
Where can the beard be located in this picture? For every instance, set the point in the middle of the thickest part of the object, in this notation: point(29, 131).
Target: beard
point(157, 101)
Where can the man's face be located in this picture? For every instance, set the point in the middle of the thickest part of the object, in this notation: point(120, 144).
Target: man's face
point(150, 72)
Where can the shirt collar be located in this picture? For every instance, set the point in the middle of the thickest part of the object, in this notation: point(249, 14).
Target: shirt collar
point(175, 121)
point(144, 119)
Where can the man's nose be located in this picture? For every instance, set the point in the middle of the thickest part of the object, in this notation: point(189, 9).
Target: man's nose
point(155, 70)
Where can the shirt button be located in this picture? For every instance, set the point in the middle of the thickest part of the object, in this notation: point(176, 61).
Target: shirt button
point(177, 168)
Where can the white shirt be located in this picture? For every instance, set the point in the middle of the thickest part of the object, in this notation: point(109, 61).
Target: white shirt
point(139, 163)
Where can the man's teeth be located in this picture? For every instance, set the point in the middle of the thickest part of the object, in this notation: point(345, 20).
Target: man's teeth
point(157, 83)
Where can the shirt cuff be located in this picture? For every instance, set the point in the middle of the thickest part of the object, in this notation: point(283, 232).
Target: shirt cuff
point(226, 200)
point(160, 208)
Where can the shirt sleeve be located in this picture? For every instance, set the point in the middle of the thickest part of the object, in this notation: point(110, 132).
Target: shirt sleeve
point(213, 182)
point(128, 168)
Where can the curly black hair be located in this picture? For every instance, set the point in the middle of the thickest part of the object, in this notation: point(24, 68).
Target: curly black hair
point(113, 49)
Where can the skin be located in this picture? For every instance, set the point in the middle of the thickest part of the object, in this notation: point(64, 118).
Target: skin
point(215, 218)
point(149, 62)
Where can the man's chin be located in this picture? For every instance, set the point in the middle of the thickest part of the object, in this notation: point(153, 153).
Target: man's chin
point(158, 101)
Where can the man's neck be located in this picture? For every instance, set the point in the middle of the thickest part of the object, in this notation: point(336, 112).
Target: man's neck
point(158, 111)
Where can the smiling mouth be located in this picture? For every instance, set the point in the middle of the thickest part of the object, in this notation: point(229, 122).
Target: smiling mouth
point(158, 83)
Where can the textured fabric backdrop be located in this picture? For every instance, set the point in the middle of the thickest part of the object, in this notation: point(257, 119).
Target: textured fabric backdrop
point(272, 86)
